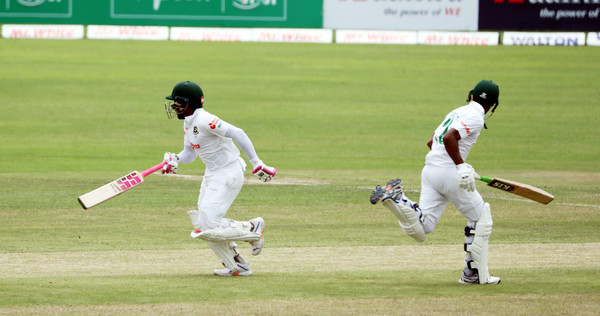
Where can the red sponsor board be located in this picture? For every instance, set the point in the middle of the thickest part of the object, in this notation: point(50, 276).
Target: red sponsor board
point(539, 15)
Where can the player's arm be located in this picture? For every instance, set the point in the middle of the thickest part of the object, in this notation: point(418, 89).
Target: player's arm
point(172, 160)
point(451, 139)
point(430, 142)
point(465, 173)
point(242, 139)
point(187, 155)
point(261, 170)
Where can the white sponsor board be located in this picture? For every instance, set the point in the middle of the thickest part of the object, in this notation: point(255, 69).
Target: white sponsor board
point(211, 34)
point(544, 39)
point(292, 35)
point(42, 31)
point(254, 34)
point(445, 15)
point(593, 39)
point(459, 38)
point(375, 37)
point(156, 33)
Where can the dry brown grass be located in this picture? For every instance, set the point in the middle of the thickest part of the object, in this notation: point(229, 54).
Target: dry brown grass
point(363, 258)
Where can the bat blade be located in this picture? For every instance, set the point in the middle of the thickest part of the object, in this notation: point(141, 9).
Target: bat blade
point(520, 189)
point(110, 190)
point(114, 188)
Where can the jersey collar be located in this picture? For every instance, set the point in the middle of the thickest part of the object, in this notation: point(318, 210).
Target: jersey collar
point(191, 118)
point(477, 106)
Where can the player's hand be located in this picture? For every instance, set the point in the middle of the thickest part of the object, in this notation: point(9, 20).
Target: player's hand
point(172, 160)
point(264, 172)
point(466, 176)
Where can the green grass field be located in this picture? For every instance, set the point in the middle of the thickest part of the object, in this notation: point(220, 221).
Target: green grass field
point(336, 120)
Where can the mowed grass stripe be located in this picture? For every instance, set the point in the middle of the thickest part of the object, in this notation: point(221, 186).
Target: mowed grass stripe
point(294, 260)
point(505, 304)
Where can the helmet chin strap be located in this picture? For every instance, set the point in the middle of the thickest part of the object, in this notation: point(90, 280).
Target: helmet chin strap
point(490, 113)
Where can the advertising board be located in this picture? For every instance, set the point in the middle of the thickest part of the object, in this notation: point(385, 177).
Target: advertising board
point(593, 39)
point(63, 32)
point(539, 15)
point(458, 38)
point(544, 38)
point(207, 13)
point(401, 14)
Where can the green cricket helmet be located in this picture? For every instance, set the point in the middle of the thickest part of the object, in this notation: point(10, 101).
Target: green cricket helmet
point(185, 94)
point(485, 93)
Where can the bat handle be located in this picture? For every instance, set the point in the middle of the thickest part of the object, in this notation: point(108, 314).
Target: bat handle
point(145, 173)
point(485, 179)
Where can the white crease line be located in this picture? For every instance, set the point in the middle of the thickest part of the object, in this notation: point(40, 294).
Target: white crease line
point(277, 182)
point(252, 181)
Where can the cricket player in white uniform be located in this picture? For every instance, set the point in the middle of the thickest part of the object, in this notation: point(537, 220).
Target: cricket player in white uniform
point(212, 139)
point(447, 178)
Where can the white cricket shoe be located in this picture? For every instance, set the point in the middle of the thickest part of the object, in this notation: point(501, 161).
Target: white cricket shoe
point(239, 270)
point(475, 279)
point(258, 225)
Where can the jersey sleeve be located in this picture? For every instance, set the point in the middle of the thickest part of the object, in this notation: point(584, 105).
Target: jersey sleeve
point(242, 139)
point(467, 123)
point(214, 125)
point(185, 135)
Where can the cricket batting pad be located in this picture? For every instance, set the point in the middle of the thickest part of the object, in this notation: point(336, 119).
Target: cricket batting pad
point(479, 247)
point(407, 219)
point(226, 234)
point(225, 253)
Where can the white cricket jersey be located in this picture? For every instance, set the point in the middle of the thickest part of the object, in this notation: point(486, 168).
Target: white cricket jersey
point(205, 133)
point(468, 120)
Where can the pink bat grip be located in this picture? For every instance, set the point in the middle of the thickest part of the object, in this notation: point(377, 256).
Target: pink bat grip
point(145, 173)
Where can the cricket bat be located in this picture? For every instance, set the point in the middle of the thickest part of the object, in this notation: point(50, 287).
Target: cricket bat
point(110, 190)
point(521, 189)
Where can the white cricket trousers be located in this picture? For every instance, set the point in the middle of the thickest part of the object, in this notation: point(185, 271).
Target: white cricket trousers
point(218, 190)
point(439, 186)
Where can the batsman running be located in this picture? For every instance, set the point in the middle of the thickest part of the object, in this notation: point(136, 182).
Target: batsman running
point(447, 178)
point(212, 139)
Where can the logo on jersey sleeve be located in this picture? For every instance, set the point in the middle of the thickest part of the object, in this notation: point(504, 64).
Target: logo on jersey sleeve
point(466, 127)
point(196, 130)
point(215, 123)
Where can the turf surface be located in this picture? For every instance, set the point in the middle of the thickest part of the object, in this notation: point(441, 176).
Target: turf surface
point(335, 120)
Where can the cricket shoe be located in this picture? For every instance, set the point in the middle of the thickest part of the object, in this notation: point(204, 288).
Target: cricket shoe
point(474, 279)
point(239, 270)
point(393, 190)
point(258, 225)
point(376, 195)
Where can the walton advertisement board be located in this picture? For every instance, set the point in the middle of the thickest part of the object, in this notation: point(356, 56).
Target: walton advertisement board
point(220, 13)
point(539, 15)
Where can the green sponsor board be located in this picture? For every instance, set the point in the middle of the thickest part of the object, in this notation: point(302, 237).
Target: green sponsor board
point(214, 13)
point(36, 9)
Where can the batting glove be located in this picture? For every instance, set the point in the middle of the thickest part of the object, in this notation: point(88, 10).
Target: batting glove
point(466, 176)
point(264, 172)
point(172, 160)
